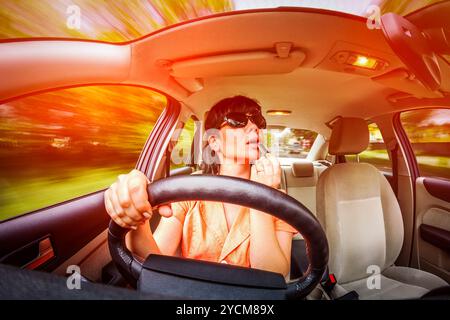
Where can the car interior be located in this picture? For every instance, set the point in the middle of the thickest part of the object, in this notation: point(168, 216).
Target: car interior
point(358, 224)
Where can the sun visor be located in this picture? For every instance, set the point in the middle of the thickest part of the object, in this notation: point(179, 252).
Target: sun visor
point(238, 64)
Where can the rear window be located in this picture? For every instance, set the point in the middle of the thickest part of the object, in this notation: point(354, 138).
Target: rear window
point(290, 142)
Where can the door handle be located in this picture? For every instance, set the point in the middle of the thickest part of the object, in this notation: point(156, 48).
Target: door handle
point(32, 255)
point(45, 253)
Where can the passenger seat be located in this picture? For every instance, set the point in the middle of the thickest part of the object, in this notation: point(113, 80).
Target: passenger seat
point(301, 180)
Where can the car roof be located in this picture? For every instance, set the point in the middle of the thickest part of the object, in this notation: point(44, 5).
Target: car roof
point(316, 91)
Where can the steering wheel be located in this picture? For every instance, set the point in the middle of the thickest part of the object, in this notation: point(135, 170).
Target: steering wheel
point(231, 190)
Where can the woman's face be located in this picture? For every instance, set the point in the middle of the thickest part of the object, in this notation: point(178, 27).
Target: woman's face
point(238, 145)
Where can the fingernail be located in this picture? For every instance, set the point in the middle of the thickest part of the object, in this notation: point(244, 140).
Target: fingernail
point(147, 215)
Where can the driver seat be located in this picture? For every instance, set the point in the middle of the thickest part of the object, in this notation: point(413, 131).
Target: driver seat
point(363, 223)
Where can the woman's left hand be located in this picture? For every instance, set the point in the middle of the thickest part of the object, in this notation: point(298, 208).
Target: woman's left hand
point(266, 170)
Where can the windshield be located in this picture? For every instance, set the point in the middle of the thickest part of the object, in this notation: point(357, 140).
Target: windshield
point(119, 21)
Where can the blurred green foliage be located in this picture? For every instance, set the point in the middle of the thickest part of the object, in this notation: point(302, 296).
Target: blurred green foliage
point(62, 144)
point(404, 7)
point(106, 20)
point(428, 131)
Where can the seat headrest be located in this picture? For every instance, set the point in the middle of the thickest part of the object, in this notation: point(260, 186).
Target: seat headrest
point(349, 136)
point(303, 168)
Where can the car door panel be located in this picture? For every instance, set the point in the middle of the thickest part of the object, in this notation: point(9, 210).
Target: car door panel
point(91, 259)
point(438, 188)
point(432, 235)
point(69, 226)
point(436, 236)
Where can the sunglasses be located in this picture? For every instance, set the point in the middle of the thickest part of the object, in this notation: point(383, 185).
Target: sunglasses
point(240, 120)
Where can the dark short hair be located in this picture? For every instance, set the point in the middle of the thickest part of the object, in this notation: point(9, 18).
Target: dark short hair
point(217, 113)
point(215, 117)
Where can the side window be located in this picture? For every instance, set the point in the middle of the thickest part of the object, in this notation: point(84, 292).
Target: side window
point(180, 153)
point(376, 153)
point(428, 131)
point(59, 145)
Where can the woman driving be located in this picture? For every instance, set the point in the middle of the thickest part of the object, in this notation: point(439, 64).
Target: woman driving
point(212, 231)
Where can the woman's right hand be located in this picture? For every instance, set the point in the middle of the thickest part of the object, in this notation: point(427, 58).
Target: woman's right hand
point(126, 201)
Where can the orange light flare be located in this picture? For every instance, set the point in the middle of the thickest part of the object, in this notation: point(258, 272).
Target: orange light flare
point(278, 112)
point(364, 62)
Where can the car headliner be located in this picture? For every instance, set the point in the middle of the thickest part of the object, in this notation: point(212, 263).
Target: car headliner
point(316, 90)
